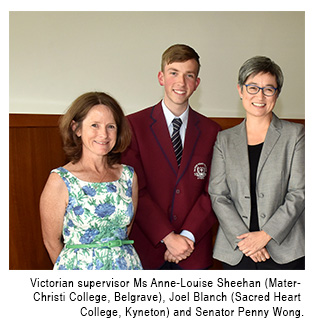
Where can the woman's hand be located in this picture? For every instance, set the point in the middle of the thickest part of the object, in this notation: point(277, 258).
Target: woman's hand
point(260, 256)
point(252, 242)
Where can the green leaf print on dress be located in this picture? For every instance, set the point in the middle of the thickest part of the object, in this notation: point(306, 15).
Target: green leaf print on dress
point(97, 213)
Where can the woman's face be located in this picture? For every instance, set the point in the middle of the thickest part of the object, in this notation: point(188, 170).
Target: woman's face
point(258, 104)
point(98, 131)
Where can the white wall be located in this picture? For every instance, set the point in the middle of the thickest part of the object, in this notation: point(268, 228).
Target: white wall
point(57, 56)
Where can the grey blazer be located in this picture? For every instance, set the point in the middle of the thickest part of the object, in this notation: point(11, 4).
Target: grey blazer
point(280, 191)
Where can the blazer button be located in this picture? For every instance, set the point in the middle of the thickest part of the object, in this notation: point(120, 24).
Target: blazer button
point(261, 195)
point(263, 215)
point(175, 217)
point(177, 191)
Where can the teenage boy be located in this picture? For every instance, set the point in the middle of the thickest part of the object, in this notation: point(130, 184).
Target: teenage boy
point(174, 219)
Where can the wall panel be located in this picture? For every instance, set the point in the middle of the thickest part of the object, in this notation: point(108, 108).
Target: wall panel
point(34, 149)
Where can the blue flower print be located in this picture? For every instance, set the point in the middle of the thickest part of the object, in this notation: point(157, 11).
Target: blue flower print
point(102, 210)
point(88, 236)
point(66, 232)
point(106, 239)
point(88, 190)
point(129, 211)
point(97, 213)
point(129, 185)
point(111, 188)
point(99, 264)
point(67, 184)
point(63, 170)
point(71, 204)
point(120, 234)
point(78, 210)
point(129, 191)
point(121, 263)
point(129, 249)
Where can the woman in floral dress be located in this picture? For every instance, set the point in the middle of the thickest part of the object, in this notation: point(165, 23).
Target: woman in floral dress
point(87, 206)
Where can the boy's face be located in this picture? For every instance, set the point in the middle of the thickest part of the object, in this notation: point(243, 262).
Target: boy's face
point(180, 81)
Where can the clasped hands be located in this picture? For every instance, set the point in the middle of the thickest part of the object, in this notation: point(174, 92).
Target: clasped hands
point(253, 244)
point(179, 247)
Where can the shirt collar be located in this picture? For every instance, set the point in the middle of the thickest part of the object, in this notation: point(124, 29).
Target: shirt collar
point(169, 116)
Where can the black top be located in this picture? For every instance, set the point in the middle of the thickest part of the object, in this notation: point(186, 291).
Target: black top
point(254, 156)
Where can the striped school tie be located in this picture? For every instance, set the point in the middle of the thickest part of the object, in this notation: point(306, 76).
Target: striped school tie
point(176, 139)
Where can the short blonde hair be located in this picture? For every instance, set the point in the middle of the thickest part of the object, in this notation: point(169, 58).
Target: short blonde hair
point(77, 112)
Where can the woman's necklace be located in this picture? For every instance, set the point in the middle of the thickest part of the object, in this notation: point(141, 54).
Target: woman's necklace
point(100, 179)
point(103, 177)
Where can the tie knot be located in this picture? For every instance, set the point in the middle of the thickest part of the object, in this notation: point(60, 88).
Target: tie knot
point(177, 122)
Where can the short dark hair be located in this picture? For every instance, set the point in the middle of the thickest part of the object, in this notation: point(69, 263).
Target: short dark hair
point(258, 64)
point(77, 112)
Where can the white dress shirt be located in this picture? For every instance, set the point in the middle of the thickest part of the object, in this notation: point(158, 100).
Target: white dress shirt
point(169, 116)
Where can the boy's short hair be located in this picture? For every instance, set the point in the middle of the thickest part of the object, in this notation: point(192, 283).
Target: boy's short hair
point(179, 53)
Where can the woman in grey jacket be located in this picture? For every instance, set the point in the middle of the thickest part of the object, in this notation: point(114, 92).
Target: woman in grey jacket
point(257, 179)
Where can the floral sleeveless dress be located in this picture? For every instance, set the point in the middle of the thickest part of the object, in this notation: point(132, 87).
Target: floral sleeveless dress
point(97, 213)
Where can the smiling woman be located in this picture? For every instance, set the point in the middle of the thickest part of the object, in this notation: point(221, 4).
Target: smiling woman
point(87, 206)
point(258, 98)
point(257, 179)
point(72, 121)
point(98, 131)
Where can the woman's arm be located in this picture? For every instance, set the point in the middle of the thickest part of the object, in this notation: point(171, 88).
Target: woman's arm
point(293, 205)
point(222, 203)
point(53, 203)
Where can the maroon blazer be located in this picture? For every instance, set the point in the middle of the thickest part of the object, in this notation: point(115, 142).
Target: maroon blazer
point(171, 198)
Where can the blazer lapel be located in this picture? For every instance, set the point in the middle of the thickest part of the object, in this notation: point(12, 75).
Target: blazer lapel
point(272, 137)
point(193, 133)
point(240, 146)
point(161, 134)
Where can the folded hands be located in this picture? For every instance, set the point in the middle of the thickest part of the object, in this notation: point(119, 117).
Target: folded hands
point(253, 244)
